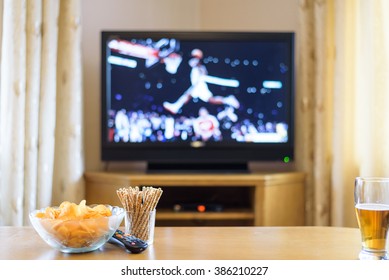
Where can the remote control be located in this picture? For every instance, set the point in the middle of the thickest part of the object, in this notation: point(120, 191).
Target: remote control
point(130, 242)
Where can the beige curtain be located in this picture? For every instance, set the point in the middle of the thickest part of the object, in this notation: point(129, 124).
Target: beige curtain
point(342, 102)
point(41, 153)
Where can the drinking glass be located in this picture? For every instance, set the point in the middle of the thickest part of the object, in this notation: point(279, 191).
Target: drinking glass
point(141, 224)
point(371, 197)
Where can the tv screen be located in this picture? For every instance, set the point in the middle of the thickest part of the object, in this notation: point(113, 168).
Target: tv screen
point(202, 98)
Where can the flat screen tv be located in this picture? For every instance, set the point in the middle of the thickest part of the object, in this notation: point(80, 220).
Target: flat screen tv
point(202, 100)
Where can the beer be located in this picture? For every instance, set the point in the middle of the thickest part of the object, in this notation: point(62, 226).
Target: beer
point(373, 221)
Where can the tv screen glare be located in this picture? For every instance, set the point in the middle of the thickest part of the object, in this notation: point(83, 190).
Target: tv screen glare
point(197, 97)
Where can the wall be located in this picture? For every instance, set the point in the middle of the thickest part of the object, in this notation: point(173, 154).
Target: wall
point(249, 15)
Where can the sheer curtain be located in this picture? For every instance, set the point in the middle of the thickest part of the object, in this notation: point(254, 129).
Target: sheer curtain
point(41, 153)
point(343, 101)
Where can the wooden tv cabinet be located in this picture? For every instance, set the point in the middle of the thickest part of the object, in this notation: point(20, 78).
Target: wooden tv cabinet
point(276, 199)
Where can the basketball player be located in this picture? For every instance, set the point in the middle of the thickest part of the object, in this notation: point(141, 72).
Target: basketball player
point(206, 126)
point(199, 88)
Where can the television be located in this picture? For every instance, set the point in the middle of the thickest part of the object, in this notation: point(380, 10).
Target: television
point(197, 100)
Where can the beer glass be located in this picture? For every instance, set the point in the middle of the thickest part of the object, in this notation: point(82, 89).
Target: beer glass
point(371, 197)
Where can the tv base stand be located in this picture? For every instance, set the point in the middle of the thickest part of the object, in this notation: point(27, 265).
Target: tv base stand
point(271, 199)
point(193, 168)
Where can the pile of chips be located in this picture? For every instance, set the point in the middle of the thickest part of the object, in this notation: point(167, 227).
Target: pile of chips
point(76, 225)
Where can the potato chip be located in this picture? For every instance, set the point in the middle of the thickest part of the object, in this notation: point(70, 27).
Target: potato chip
point(76, 225)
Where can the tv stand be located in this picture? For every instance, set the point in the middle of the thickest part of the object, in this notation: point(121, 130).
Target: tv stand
point(269, 199)
point(189, 168)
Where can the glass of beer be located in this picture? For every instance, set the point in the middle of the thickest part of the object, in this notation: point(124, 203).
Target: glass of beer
point(371, 197)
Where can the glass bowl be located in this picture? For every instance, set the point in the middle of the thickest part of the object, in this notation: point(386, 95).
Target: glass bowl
point(77, 235)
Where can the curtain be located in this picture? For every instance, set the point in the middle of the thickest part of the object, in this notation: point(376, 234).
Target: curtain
point(41, 153)
point(342, 101)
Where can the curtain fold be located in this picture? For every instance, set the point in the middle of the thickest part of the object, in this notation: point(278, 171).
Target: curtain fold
point(33, 63)
point(12, 105)
point(68, 172)
point(344, 96)
point(40, 113)
point(47, 102)
point(314, 107)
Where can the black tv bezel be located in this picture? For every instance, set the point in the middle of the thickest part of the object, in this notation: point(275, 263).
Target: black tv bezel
point(209, 153)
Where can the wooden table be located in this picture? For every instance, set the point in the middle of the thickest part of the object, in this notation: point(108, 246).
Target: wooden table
point(203, 243)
